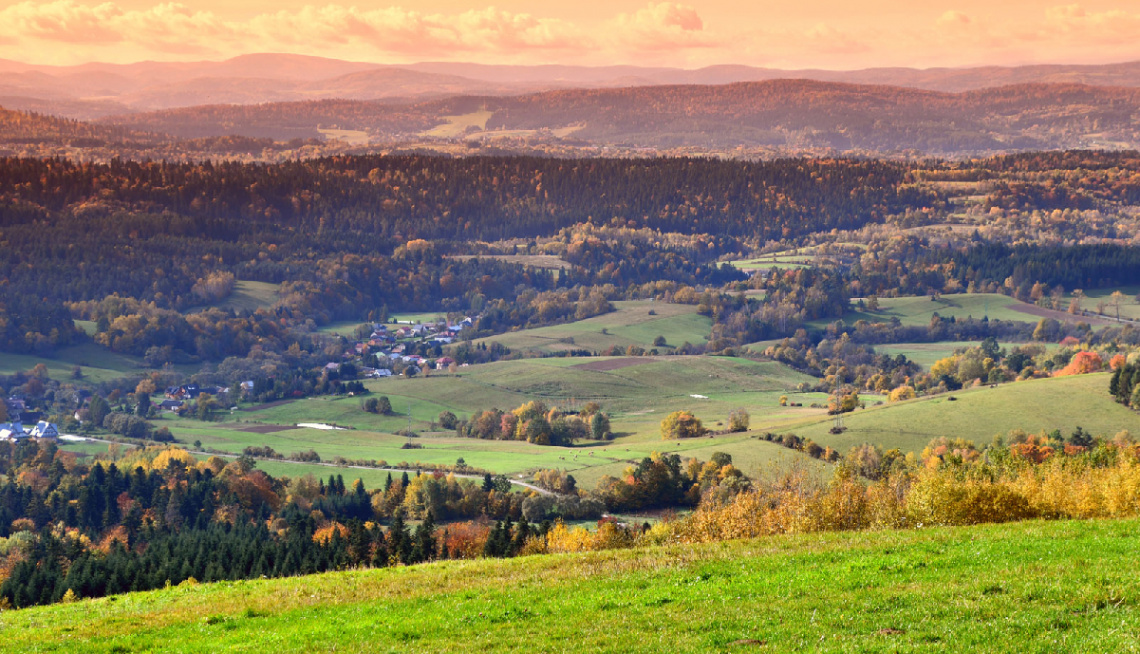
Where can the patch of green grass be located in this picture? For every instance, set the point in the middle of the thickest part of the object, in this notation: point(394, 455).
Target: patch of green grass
point(631, 323)
point(918, 310)
point(97, 364)
point(926, 354)
point(349, 136)
point(248, 296)
point(456, 126)
point(638, 397)
point(1129, 307)
point(1025, 587)
point(982, 413)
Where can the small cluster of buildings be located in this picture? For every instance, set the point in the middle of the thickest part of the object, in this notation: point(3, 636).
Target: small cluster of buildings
point(389, 344)
point(15, 431)
point(19, 413)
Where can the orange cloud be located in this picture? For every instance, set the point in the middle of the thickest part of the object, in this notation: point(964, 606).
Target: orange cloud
point(657, 33)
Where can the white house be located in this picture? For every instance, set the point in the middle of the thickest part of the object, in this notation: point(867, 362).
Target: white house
point(44, 429)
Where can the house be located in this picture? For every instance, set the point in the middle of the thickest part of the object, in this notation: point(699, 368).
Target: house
point(16, 406)
point(443, 363)
point(445, 340)
point(332, 367)
point(381, 372)
point(12, 431)
point(170, 405)
point(455, 329)
point(184, 392)
point(44, 429)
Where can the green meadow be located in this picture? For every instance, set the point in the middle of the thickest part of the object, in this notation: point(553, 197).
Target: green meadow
point(634, 322)
point(918, 310)
point(1022, 587)
point(979, 414)
point(638, 392)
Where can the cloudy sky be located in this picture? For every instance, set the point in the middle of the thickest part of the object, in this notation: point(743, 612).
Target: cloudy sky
point(836, 34)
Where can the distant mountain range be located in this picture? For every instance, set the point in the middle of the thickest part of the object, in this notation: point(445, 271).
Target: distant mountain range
point(791, 115)
point(96, 90)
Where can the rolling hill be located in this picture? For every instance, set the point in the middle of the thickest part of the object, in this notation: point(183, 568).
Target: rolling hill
point(95, 90)
point(1000, 588)
point(783, 114)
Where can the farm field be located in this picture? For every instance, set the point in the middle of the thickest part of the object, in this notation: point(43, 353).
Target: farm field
point(456, 126)
point(96, 363)
point(982, 413)
point(1129, 307)
point(638, 392)
point(349, 136)
point(926, 354)
point(247, 295)
point(1001, 588)
point(629, 324)
point(548, 261)
point(918, 310)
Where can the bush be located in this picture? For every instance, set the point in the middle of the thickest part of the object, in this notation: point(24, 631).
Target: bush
point(738, 420)
point(447, 420)
point(681, 424)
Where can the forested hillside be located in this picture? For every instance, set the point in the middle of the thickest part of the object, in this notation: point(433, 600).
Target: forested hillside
point(784, 114)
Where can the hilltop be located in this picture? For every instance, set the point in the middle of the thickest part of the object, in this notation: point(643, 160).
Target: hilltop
point(787, 115)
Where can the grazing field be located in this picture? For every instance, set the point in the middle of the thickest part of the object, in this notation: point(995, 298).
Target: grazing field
point(247, 295)
point(926, 354)
point(547, 261)
point(982, 413)
point(918, 310)
point(456, 126)
point(96, 364)
point(349, 136)
point(631, 323)
point(1129, 307)
point(638, 392)
point(1021, 587)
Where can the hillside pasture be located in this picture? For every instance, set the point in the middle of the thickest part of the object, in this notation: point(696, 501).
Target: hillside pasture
point(638, 392)
point(545, 261)
point(248, 296)
point(1021, 587)
point(979, 414)
point(926, 354)
point(631, 323)
point(459, 125)
point(918, 310)
point(97, 364)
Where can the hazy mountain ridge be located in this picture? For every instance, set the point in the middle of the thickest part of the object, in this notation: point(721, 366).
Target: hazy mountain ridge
point(95, 90)
point(787, 114)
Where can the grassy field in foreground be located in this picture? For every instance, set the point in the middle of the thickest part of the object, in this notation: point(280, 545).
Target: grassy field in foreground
point(1026, 587)
point(630, 324)
point(980, 414)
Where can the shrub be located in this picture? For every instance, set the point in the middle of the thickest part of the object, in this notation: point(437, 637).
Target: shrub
point(681, 424)
point(738, 420)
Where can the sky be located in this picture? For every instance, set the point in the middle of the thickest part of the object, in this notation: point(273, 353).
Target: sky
point(832, 34)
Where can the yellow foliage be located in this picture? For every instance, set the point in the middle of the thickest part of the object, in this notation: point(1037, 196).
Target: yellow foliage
point(173, 455)
point(325, 534)
point(902, 393)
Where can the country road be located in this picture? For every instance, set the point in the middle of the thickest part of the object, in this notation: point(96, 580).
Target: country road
point(521, 484)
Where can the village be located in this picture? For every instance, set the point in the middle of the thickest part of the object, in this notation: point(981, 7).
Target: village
point(390, 350)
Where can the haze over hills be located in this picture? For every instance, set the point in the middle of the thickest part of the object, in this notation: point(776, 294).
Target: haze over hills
point(95, 90)
point(787, 114)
